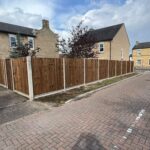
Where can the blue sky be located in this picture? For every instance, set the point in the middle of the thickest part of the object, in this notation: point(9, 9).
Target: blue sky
point(63, 14)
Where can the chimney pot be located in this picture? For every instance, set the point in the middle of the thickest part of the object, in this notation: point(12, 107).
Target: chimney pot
point(45, 23)
point(137, 42)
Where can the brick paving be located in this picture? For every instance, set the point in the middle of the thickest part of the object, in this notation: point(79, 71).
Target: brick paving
point(96, 122)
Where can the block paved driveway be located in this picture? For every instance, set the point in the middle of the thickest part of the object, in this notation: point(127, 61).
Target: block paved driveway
point(97, 122)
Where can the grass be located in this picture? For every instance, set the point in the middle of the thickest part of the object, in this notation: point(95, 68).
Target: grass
point(61, 98)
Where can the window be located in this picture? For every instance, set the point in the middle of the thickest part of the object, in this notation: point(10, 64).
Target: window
point(31, 42)
point(138, 52)
point(138, 62)
point(101, 47)
point(13, 40)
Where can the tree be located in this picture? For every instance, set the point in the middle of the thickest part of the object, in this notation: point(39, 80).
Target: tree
point(23, 50)
point(79, 44)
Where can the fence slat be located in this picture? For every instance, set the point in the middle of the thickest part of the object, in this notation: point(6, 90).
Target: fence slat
point(132, 66)
point(103, 69)
point(9, 74)
point(74, 72)
point(91, 70)
point(119, 68)
point(2, 71)
point(112, 68)
point(124, 67)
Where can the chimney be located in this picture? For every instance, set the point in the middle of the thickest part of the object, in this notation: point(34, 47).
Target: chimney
point(45, 23)
point(137, 43)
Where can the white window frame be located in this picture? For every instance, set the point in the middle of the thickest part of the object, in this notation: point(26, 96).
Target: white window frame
point(31, 38)
point(138, 63)
point(100, 47)
point(138, 52)
point(14, 36)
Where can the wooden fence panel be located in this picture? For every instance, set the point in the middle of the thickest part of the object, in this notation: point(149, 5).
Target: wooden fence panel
point(118, 68)
point(20, 75)
point(103, 69)
point(132, 66)
point(74, 70)
point(91, 67)
point(124, 67)
point(2, 71)
point(128, 66)
point(47, 75)
point(9, 74)
point(112, 70)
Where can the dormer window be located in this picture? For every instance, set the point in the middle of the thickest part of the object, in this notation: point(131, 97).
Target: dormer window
point(31, 42)
point(13, 40)
point(101, 47)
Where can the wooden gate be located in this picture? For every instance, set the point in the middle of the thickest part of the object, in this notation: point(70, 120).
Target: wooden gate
point(9, 74)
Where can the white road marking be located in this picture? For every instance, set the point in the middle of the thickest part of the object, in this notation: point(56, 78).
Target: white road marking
point(130, 129)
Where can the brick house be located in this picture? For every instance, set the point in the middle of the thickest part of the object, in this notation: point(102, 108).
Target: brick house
point(141, 54)
point(111, 42)
point(44, 38)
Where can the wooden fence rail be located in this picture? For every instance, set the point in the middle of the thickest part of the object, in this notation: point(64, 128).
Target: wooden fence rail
point(37, 77)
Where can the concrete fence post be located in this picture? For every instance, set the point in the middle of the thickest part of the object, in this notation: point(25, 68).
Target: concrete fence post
point(30, 78)
point(64, 74)
point(98, 69)
point(108, 68)
point(84, 61)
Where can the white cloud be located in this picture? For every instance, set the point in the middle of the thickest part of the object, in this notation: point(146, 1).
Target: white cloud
point(19, 17)
point(134, 13)
point(26, 13)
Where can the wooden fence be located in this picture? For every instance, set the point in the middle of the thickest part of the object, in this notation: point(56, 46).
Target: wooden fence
point(39, 77)
point(2, 72)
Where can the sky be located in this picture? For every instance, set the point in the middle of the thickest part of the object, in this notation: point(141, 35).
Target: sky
point(63, 14)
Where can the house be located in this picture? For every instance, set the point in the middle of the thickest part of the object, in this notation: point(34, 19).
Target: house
point(141, 54)
point(111, 42)
point(43, 38)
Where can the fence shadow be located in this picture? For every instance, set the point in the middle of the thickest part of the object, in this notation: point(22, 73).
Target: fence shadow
point(8, 98)
point(88, 141)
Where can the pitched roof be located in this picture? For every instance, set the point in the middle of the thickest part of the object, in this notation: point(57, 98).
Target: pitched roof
point(15, 29)
point(105, 34)
point(142, 45)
